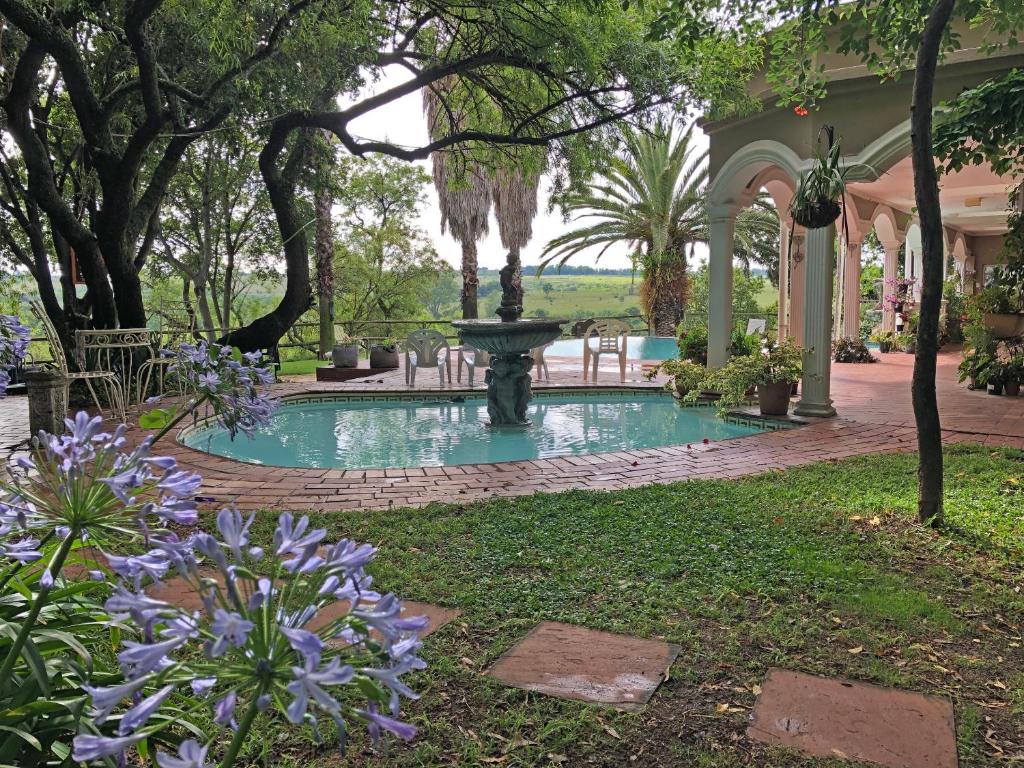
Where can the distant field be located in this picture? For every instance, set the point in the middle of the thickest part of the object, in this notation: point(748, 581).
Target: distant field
point(570, 296)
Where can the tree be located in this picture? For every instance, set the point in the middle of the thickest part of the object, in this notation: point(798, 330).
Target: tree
point(889, 36)
point(388, 267)
point(651, 196)
point(464, 200)
point(102, 100)
point(515, 205)
point(216, 224)
point(323, 201)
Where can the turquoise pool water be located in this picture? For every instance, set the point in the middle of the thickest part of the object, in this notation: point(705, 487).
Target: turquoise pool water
point(637, 348)
point(361, 434)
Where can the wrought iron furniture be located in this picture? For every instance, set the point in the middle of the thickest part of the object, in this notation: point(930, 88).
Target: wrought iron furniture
point(104, 379)
point(128, 353)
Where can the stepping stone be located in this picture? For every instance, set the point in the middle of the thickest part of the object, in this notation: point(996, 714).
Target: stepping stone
point(586, 665)
point(838, 718)
point(180, 593)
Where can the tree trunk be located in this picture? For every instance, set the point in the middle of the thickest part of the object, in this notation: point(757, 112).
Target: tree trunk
point(926, 192)
point(664, 296)
point(324, 249)
point(265, 332)
point(469, 282)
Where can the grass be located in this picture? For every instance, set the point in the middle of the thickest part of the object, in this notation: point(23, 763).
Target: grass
point(820, 569)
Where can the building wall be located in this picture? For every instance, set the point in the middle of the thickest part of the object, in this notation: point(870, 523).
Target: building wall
point(986, 252)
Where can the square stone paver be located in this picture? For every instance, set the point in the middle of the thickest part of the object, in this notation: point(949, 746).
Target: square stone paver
point(838, 718)
point(587, 665)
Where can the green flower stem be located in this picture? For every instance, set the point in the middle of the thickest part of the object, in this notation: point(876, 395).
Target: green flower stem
point(30, 620)
point(242, 732)
point(177, 419)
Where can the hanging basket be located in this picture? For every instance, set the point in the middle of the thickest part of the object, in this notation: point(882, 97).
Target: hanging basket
point(817, 214)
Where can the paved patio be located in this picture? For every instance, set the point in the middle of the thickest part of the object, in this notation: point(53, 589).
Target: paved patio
point(873, 401)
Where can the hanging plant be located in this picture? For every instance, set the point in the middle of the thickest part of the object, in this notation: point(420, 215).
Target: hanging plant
point(816, 203)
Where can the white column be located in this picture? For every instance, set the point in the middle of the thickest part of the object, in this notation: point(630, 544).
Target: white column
point(912, 259)
point(722, 229)
point(851, 290)
point(782, 322)
point(815, 390)
point(838, 290)
point(797, 275)
point(889, 269)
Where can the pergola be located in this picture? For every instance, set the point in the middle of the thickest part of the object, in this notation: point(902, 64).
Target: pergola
point(819, 285)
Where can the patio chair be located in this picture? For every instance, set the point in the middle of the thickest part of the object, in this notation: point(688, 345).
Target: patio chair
point(472, 358)
point(605, 337)
point(129, 353)
point(756, 325)
point(107, 380)
point(427, 348)
point(539, 363)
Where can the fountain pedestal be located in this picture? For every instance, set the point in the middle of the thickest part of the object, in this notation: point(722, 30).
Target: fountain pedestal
point(508, 378)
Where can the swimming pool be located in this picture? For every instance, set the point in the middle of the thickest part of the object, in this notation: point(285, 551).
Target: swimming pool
point(637, 348)
point(381, 431)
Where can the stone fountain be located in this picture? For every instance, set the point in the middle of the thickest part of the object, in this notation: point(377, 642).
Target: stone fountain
point(509, 340)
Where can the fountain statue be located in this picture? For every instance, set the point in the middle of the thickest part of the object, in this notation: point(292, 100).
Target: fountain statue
point(509, 341)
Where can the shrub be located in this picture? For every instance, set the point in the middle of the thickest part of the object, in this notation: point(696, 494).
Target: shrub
point(849, 350)
point(693, 344)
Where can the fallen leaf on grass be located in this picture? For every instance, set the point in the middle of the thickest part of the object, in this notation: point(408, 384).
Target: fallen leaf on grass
point(855, 651)
point(755, 689)
point(997, 684)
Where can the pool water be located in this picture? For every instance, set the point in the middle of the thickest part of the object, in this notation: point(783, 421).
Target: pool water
point(637, 348)
point(350, 433)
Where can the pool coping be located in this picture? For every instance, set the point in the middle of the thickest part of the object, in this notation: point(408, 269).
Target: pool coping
point(739, 416)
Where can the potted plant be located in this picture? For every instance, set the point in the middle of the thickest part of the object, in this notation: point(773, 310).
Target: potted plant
point(685, 376)
point(693, 344)
point(345, 353)
point(849, 350)
point(884, 340)
point(385, 354)
point(816, 200)
point(772, 372)
point(1011, 372)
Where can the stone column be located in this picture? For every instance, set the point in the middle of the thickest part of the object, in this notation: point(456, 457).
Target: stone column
point(889, 269)
point(782, 322)
point(815, 390)
point(722, 230)
point(797, 275)
point(851, 290)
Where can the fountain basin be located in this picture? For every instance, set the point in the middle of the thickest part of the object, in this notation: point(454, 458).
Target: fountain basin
point(515, 338)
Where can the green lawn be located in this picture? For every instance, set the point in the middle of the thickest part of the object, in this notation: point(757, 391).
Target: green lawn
point(820, 569)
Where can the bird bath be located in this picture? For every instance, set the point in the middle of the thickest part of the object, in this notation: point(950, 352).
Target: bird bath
point(508, 378)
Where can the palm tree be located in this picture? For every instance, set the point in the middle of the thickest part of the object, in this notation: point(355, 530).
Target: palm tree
point(464, 198)
point(652, 196)
point(515, 206)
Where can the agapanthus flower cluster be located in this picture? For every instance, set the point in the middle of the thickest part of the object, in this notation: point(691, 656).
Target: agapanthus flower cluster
point(13, 347)
point(87, 486)
point(236, 391)
point(297, 628)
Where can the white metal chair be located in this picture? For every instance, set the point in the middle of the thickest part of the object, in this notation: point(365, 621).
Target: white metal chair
point(427, 348)
point(605, 337)
point(107, 380)
point(540, 365)
point(472, 358)
point(128, 353)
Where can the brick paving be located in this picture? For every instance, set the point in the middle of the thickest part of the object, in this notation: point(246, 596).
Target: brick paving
point(873, 401)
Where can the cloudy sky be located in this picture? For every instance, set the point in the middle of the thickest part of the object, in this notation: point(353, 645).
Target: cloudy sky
point(402, 122)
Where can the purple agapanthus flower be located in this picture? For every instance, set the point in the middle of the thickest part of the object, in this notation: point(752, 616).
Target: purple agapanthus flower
point(190, 755)
point(14, 339)
point(228, 627)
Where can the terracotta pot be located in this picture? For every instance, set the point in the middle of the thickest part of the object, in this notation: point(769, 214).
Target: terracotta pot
point(383, 357)
point(1012, 388)
point(774, 398)
point(345, 355)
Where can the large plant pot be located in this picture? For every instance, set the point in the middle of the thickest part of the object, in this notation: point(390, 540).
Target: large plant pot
point(885, 346)
point(995, 388)
point(47, 401)
point(817, 214)
point(1012, 388)
point(1005, 326)
point(345, 355)
point(774, 398)
point(383, 357)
